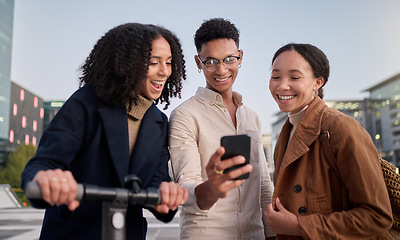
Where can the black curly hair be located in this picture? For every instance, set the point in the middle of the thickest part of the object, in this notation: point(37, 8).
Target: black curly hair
point(314, 56)
point(215, 28)
point(117, 66)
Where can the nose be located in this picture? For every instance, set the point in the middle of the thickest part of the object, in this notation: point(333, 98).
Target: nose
point(165, 70)
point(283, 84)
point(221, 67)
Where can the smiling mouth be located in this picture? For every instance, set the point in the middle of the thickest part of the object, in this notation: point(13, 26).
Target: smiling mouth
point(157, 84)
point(221, 79)
point(285, 97)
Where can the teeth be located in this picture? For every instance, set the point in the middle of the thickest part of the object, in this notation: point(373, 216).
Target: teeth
point(286, 97)
point(221, 79)
point(158, 82)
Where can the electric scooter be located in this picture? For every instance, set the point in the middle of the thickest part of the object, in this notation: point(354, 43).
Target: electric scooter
point(114, 202)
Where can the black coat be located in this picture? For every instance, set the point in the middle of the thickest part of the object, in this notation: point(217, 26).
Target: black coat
point(90, 138)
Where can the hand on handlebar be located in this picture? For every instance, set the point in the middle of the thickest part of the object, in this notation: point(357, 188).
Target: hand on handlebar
point(172, 195)
point(58, 187)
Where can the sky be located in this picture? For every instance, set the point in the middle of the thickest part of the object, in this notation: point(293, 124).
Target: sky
point(361, 38)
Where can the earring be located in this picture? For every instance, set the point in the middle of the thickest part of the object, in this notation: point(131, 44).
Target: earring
point(240, 65)
point(199, 70)
point(315, 93)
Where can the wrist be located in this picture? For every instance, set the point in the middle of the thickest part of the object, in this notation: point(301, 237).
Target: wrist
point(205, 196)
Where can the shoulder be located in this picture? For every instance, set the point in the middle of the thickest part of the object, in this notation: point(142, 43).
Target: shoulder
point(85, 96)
point(343, 124)
point(186, 108)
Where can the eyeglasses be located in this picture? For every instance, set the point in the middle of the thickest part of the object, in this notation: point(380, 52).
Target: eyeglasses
point(212, 64)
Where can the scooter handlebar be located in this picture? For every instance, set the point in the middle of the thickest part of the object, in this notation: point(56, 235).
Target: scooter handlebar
point(87, 193)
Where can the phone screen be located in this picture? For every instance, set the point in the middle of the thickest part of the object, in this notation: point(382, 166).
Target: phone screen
point(236, 145)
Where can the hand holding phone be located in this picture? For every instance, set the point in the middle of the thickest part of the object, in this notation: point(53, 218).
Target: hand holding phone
point(236, 145)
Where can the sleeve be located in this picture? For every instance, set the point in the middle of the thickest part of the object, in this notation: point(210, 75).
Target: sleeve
point(185, 156)
point(358, 163)
point(267, 187)
point(60, 142)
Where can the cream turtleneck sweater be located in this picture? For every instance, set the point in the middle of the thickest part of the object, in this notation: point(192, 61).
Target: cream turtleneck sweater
point(135, 116)
point(294, 119)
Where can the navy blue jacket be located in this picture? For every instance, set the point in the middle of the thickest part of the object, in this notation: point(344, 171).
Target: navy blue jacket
point(90, 138)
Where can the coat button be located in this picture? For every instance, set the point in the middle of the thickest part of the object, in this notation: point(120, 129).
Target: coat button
point(302, 210)
point(297, 188)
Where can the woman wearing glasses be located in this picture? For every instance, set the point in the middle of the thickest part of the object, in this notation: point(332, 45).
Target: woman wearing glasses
point(225, 208)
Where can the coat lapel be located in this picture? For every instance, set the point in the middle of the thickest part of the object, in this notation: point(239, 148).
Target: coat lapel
point(116, 130)
point(305, 134)
point(149, 135)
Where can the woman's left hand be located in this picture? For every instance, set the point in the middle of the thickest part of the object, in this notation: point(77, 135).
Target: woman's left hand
point(282, 221)
point(172, 195)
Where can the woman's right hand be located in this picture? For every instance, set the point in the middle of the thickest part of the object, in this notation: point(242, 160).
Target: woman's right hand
point(281, 221)
point(58, 187)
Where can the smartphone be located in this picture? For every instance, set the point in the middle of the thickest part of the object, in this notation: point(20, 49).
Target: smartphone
point(236, 145)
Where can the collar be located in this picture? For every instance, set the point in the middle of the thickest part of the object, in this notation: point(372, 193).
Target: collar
point(211, 96)
point(294, 119)
point(310, 124)
point(140, 108)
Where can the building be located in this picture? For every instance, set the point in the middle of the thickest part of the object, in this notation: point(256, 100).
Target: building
point(26, 118)
point(267, 146)
point(23, 115)
point(384, 117)
point(50, 110)
point(6, 33)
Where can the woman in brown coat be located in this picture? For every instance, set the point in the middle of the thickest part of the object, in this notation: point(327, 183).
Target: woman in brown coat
point(311, 200)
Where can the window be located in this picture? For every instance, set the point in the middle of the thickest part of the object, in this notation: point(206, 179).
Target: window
point(34, 141)
point(35, 102)
point(22, 95)
point(11, 138)
point(34, 125)
point(26, 139)
point(15, 109)
point(23, 121)
point(41, 113)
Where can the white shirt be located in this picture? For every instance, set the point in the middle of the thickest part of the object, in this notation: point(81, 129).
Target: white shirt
point(196, 127)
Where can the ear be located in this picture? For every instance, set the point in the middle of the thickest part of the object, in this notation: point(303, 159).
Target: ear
point(241, 56)
point(198, 63)
point(319, 83)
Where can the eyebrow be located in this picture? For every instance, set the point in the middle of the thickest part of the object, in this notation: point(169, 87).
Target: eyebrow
point(231, 55)
point(158, 57)
point(291, 71)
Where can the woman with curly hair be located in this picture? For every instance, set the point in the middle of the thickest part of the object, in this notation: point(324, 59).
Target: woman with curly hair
point(109, 128)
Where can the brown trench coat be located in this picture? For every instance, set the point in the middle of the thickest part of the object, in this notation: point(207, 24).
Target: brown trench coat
point(327, 208)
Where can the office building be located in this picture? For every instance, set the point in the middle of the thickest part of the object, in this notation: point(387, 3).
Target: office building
point(26, 118)
point(6, 32)
point(384, 117)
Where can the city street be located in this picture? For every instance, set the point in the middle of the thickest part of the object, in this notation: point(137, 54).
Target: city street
point(25, 224)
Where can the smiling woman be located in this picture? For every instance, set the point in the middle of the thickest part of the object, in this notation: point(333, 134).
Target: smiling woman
point(310, 201)
point(111, 125)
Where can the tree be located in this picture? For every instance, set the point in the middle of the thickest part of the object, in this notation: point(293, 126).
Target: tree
point(17, 160)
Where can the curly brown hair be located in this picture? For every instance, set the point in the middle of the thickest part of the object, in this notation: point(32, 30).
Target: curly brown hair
point(215, 28)
point(117, 66)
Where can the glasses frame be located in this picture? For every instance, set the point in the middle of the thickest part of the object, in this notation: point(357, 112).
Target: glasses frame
point(219, 61)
